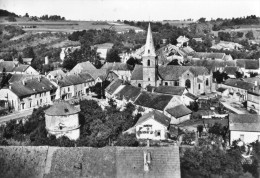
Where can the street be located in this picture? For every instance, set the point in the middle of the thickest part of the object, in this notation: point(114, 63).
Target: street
point(15, 115)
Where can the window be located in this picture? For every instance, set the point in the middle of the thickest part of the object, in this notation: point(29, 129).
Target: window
point(187, 83)
point(68, 89)
point(176, 83)
point(148, 62)
point(242, 137)
point(157, 133)
point(166, 83)
point(148, 51)
point(148, 79)
point(199, 86)
point(207, 82)
point(139, 85)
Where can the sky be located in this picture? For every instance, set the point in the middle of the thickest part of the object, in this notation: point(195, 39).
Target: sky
point(152, 10)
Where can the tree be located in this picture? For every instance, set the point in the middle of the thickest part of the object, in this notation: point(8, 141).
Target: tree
point(113, 55)
point(69, 62)
point(3, 82)
point(200, 129)
point(127, 140)
point(26, 15)
point(250, 35)
point(202, 20)
point(20, 59)
point(239, 75)
point(219, 130)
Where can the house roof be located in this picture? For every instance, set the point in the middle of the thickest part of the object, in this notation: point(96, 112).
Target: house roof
point(86, 77)
point(19, 77)
point(157, 116)
point(62, 108)
point(244, 122)
point(116, 66)
point(88, 161)
point(179, 111)
point(31, 86)
point(111, 88)
point(69, 80)
point(57, 73)
point(101, 73)
point(231, 70)
point(21, 68)
point(129, 92)
point(153, 100)
point(171, 90)
point(209, 55)
point(239, 84)
point(86, 66)
point(191, 96)
point(211, 65)
point(137, 73)
point(248, 63)
point(26, 60)
point(182, 39)
point(8, 65)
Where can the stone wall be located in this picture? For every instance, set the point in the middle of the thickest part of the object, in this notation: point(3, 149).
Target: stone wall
point(50, 162)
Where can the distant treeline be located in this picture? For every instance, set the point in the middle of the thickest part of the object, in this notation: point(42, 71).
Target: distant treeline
point(7, 13)
point(52, 17)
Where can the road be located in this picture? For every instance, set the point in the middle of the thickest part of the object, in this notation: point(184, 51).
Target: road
point(16, 115)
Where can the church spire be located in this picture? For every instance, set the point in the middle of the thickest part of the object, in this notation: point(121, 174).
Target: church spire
point(149, 46)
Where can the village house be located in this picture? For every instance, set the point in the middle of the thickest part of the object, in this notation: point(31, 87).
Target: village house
point(62, 119)
point(227, 45)
point(189, 98)
point(178, 114)
point(153, 125)
point(67, 50)
point(82, 68)
point(232, 71)
point(237, 88)
point(248, 66)
point(55, 74)
point(211, 56)
point(196, 79)
point(245, 127)
point(27, 61)
point(103, 49)
point(28, 93)
point(182, 41)
point(118, 70)
point(253, 99)
point(73, 86)
point(113, 88)
point(14, 67)
point(176, 91)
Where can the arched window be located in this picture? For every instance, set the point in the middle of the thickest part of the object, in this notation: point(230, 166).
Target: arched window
point(148, 62)
point(207, 82)
point(139, 85)
point(148, 51)
point(166, 83)
point(199, 86)
point(187, 83)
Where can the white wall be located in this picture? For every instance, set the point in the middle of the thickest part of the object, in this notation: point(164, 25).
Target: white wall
point(249, 137)
point(148, 129)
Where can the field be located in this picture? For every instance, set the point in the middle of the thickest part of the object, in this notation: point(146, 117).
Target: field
point(67, 26)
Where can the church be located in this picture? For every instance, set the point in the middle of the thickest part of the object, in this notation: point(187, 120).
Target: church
point(196, 79)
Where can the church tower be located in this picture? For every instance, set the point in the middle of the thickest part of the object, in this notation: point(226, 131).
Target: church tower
point(149, 61)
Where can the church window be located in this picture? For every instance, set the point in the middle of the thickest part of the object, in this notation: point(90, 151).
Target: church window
point(139, 85)
point(148, 62)
point(207, 82)
point(166, 83)
point(187, 83)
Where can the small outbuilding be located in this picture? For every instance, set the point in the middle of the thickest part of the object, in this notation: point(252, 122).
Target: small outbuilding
point(62, 119)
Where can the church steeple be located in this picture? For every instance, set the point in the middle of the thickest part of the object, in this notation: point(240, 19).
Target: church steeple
point(149, 46)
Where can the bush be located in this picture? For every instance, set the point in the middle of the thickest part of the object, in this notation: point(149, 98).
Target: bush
point(127, 140)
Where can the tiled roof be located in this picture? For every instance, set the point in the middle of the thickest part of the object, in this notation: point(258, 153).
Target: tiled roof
point(179, 111)
point(19, 77)
point(191, 96)
point(86, 66)
point(153, 100)
point(248, 63)
point(156, 115)
point(27, 59)
point(111, 88)
point(239, 84)
point(231, 70)
point(211, 65)
point(137, 73)
point(57, 72)
point(172, 90)
point(209, 55)
point(187, 50)
point(31, 86)
point(62, 108)
point(102, 73)
point(116, 66)
point(221, 89)
point(20, 68)
point(244, 122)
point(86, 77)
point(129, 92)
point(116, 162)
point(8, 65)
point(172, 72)
point(69, 80)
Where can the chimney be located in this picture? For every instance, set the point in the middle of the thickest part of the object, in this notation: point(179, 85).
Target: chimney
point(256, 83)
point(10, 87)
